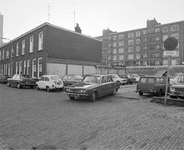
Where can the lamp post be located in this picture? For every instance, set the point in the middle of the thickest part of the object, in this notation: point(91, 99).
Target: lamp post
point(10, 55)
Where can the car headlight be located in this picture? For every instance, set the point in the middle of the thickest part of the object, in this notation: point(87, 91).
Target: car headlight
point(67, 90)
point(83, 91)
point(172, 89)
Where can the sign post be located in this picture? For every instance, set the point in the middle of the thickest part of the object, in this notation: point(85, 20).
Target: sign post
point(169, 44)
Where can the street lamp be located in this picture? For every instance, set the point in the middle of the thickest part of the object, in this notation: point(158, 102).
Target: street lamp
point(10, 55)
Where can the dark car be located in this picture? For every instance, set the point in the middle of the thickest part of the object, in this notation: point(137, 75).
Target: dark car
point(70, 79)
point(93, 87)
point(177, 89)
point(20, 80)
point(129, 77)
point(3, 78)
point(152, 85)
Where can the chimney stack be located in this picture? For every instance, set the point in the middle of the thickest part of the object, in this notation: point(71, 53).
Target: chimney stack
point(77, 28)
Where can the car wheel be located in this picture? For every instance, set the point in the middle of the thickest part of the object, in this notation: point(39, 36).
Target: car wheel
point(31, 87)
point(93, 97)
point(159, 93)
point(8, 84)
point(72, 98)
point(18, 86)
point(140, 93)
point(114, 91)
point(48, 89)
point(37, 87)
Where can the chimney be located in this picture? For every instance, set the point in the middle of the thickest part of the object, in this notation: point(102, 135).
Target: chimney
point(77, 28)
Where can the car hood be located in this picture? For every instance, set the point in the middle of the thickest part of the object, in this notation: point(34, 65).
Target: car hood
point(28, 80)
point(178, 85)
point(83, 85)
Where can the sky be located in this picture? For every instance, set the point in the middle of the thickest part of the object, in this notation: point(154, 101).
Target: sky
point(92, 16)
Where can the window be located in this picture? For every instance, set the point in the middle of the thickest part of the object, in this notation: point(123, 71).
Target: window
point(114, 37)
point(20, 67)
point(130, 56)
point(109, 51)
point(145, 47)
point(109, 45)
point(17, 49)
point(138, 56)
point(145, 39)
point(7, 54)
point(144, 31)
point(24, 66)
point(175, 35)
point(114, 57)
point(157, 38)
point(121, 50)
point(143, 80)
point(114, 51)
point(157, 30)
point(28, 67)
point(34, 68)
point(121, 57)
point(138, 48)
point(151, 80)
point(109, 37)
point(165, 37)
point(31, 44)
point(138, 33)
point(0, 55)
point(114, 44)
point(138, 41)
point(130, 35)
point(130, 42)
point(121, 43)
point(3, 55)
point(130, 49)
point(17, 70)
point(174, 27)
point(165, 29)
point(12, 52)
point(39, 67)
point(40, 41)
point(144, 55)
point(121, 36)
point(23, 47)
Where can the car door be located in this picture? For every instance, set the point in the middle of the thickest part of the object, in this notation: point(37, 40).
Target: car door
point(41, 83)
point(104, 86)
point(141, 86)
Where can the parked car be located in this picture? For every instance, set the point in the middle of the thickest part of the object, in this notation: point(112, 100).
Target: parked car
point(177, 89)
point(3, 78)
point(92, 87)
point(70, 79)
point(116, 78)
point(152, 85)
point(136, 76)
point(176, 79)
point(50, 82)
point(129, 78)
point(20, 80)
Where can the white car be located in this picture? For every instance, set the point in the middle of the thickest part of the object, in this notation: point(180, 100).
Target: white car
point(50, 82)
point(116, 78)
point(136, 76)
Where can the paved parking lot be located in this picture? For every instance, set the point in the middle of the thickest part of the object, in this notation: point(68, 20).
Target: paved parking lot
point(32, 119)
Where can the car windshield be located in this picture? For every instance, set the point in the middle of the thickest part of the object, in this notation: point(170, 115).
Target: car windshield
point(24, 77)
point(92, 79)
point(55, 78)
point(78, 77)
point(115, 76)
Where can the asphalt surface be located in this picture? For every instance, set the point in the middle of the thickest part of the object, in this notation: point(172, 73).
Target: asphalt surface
point(32, 119)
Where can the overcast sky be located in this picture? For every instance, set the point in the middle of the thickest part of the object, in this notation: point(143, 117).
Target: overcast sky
point(93, 16)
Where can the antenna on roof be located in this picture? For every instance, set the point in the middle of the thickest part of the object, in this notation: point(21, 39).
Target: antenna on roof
point(48, 12)
point(74, 15)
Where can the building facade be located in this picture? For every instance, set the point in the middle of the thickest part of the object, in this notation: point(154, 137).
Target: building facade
point(142, 47)
point(49, 49)
point(1, 29)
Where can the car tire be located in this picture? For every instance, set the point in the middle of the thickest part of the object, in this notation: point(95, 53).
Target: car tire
point(72, 98)
point(115, 91)
point(48, 89)
point(37, 87)
point(93, 97)
point(32, 87)
point(18, 85)
point(8, 84)
point(140, 93)
point(159, 93)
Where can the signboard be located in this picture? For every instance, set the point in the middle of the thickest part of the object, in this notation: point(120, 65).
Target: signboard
point(170, 43)
point(170, 53)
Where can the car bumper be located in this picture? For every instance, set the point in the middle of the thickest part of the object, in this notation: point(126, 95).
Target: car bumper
point(78, 95)
point(177, 94)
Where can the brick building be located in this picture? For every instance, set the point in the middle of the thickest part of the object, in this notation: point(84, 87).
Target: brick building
point(49, 49)
point(142, 47)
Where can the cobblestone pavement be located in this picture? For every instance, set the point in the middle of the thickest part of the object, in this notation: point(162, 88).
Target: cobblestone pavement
point(32, 119)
